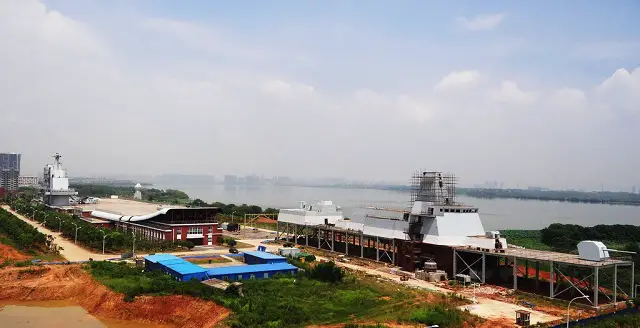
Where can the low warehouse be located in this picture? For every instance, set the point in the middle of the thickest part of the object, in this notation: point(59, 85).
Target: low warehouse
point(258, 257)
point(177, 267)
point(256, 271)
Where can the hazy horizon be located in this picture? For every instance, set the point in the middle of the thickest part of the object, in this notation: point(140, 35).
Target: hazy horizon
point(529, 93)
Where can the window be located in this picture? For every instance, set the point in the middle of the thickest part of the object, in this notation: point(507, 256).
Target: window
point(239, 277)
point(266, 274)
point(253, 276)
point(195, 230)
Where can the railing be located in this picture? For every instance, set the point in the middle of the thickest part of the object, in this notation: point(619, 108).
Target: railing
point(590, 320)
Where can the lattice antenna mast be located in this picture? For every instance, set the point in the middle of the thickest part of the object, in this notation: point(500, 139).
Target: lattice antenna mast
point(435, 188)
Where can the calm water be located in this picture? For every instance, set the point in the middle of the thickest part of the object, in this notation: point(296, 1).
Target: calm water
point(56, 314)
point(495, 213)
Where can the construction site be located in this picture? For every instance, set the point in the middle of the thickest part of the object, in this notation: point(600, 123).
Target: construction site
point(436, 238)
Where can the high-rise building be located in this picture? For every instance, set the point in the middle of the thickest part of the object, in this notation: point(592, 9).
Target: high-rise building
point(9, 170)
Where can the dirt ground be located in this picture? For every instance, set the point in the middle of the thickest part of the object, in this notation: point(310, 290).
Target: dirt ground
point(8, 253)
point(72, 283)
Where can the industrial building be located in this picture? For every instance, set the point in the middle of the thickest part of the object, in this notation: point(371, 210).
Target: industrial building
point(183, 270)
point(258, 257)
point(177, 267)
point(9, 171)
point(198, 225)
point(256, 271)
point(436, 229)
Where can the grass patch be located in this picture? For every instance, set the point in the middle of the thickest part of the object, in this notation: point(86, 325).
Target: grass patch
point(288, 301)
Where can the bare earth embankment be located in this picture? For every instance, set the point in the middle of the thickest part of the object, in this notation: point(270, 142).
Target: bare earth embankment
point(72, 283)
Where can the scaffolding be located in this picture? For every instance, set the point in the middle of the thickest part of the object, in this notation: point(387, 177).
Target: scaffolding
point(436, 188)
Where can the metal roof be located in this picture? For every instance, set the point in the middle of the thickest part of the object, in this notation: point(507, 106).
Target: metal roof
point(264, 255)
point(155, 258)
point(175, 263)
point(240, 269)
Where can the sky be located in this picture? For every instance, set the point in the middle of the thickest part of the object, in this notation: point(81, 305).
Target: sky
point(523, 92)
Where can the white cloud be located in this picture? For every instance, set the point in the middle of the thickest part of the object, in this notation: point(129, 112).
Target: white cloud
point(457, 79)
point(621, 90)
point(481, 22)
point(286, 91)
point(570, 98)
point(510, 94)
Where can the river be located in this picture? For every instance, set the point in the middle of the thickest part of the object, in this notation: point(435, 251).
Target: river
point(496, 214)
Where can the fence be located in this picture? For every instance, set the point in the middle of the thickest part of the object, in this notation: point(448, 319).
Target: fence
point(586, 321)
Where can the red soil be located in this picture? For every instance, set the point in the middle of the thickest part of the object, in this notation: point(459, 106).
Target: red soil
point(263, 219)
point(72, 283)
point(8, 253)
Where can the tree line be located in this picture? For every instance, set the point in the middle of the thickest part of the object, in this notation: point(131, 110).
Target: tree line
point(238, 210)
point(25, 237)
point(91, 236)
point(170, 196)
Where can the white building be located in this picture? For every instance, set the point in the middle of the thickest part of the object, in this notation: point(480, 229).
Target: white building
point(56, 184)
point(323, 212)
point(28, 181)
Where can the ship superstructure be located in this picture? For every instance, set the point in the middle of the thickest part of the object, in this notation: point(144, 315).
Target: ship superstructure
point(56, 190)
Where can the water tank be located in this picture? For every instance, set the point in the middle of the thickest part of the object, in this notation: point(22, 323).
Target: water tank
point(592, 251)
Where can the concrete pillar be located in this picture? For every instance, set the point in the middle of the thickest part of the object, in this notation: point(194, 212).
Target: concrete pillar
point(551, 279)
point(515, 273)
point(287, 227)
point(595, 287)
point(306, 236)
point(361, 246)
point(454, 264)
point(377, 249)
point(526, 269)
point(484, 268)
point(346, 243)
point(333, 238)
point(393, 251)
point(615, 283)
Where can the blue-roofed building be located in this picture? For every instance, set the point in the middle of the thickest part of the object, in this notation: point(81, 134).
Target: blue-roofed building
point(256, 271)
point(177, 267)
point(258, 257)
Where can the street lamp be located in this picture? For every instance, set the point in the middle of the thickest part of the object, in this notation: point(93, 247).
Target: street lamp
point(232, 213)
point(133, 247)
point(104, 238)
point(77, 228)
point(568, 317)
point(59, 224)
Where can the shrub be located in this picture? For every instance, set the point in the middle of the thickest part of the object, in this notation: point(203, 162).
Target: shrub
point(327, 272)
point(438, 314)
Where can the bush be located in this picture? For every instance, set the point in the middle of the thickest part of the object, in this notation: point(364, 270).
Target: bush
point(438, 314)
point(327, 272)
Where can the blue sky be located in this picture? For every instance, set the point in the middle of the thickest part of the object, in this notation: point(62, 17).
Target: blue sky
point(526, 92)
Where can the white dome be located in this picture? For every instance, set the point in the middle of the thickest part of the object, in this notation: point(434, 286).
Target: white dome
point(138, 186)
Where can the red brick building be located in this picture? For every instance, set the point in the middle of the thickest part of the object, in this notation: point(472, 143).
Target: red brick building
point(198, 225)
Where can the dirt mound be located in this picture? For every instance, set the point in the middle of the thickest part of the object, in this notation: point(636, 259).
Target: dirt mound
point(264, 219)
point(8, 253)
point(72, 283)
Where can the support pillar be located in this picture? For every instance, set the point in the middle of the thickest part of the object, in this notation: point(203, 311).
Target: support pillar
point(287, 227)
point(306, 237)
point(377, 249)
point(333, 238)
point(318, 238)
point(346, 243)
point(277, 230)
point(454, 264)
point(484, 268)
point(526, 269)
point(515, 273)
point(615, 283)
point(393, 251)
point(595, 287)
point(551, 279)
point(361, 247)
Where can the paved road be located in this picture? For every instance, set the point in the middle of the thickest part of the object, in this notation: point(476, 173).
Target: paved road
point(70, 251)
